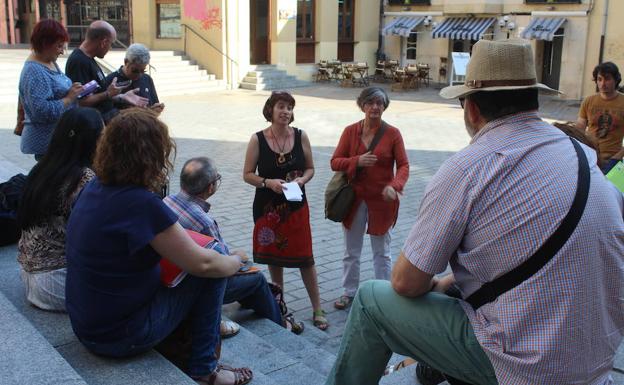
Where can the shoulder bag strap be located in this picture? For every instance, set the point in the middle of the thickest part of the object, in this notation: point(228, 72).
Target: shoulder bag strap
point(491, 290)
point(377, 136)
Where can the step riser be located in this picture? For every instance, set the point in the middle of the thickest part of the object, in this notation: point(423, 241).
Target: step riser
point(172, 74)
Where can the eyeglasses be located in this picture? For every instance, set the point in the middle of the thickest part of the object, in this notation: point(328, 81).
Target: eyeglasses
point(137, 71)
point(461, 102)
point(217, 181)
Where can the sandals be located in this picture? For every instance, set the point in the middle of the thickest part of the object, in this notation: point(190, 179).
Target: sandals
point(228, 329)
point(319, 320)
point(291, 325)
point(241, 375)
point(343, 302)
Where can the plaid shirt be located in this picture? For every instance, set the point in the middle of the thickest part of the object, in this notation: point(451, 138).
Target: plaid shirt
point(193, 215)
point(489, 208)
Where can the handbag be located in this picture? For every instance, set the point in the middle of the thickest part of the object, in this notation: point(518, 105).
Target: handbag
point(19, 125)
point(339, 193)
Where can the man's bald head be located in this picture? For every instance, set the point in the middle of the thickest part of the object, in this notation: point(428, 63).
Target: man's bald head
point(197, 175)
point(100, 30)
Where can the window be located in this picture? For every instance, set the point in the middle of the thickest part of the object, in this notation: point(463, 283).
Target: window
point(410, 52)
point(305, 31)
point(409, 2)
point(168, 19)
point(345, 29)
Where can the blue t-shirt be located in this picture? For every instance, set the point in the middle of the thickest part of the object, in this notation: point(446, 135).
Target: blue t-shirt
point(112, 271)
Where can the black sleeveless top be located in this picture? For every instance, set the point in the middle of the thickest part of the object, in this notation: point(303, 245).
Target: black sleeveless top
point(270, 166)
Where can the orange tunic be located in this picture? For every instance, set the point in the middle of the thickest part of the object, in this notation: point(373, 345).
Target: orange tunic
point(369, 182)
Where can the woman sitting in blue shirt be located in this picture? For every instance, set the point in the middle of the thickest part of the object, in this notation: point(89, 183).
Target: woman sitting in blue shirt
point(44, 91)
point(117, 233)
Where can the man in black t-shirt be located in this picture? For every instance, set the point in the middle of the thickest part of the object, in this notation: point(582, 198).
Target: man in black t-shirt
point(82, 67)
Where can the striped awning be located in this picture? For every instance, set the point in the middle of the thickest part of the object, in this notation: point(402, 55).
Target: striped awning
point(462, 28)
point(402, 26)
point(542, 28)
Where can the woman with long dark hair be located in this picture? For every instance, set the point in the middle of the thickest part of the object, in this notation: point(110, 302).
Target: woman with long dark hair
point(51, 188)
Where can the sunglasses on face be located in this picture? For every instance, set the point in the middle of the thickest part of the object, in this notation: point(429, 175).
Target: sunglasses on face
point(137, 71)
point(461, 102)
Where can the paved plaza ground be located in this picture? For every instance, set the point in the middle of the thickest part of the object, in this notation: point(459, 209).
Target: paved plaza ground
point(220, 124)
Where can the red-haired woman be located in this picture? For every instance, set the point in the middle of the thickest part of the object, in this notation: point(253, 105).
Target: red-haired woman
point(282, 237)
point(44, 91)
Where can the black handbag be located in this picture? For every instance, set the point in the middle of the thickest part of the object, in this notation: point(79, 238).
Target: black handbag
point(339, 193)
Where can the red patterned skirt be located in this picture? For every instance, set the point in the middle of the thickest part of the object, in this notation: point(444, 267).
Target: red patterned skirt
point(283, 237)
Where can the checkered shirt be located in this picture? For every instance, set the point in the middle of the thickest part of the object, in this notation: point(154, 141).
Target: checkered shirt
point(488, 209)
point(193, 215)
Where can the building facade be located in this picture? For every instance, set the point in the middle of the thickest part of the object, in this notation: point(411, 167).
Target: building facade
point(569, 37)
point(227, 37)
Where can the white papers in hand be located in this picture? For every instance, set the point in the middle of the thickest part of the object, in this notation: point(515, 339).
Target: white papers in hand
point(293, 192)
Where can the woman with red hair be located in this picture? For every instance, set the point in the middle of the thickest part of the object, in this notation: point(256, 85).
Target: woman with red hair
point(44, 91)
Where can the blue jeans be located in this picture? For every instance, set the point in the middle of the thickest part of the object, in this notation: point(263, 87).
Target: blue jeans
point(196, 299)
point(252, 292)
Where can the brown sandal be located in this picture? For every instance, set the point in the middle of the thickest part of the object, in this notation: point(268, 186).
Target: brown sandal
point(291, 325)
point(241, 375)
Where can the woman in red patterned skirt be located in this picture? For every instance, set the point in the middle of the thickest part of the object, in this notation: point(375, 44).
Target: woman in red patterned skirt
point(282, 238)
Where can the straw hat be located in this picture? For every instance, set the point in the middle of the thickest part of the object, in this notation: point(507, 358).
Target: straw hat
point(496, 66)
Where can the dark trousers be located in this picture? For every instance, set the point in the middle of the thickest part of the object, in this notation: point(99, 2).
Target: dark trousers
point(196, 300)
point(252, 292)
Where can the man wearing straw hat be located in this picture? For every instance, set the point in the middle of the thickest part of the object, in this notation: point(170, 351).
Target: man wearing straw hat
point(534, 235)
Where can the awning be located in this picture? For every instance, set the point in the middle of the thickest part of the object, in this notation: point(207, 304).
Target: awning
point(402, 25)
point(542, 28)
point(462, 28)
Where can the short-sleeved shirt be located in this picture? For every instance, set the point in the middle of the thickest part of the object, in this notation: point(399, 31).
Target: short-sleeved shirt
point(487, 210)
point(112, 271)
point(144, 83)
point(605, 122)
point(193, 214)
point(82, 68)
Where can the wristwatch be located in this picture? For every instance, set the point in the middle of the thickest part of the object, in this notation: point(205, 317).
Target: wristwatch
point(263, 183)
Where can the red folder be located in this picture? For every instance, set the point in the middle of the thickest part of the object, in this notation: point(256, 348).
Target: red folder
point(171, 275)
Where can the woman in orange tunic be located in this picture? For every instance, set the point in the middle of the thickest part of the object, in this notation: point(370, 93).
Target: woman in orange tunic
point(377, 188)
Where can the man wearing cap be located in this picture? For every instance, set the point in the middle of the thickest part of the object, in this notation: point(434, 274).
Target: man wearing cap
point(536, 252)
point(602, 114)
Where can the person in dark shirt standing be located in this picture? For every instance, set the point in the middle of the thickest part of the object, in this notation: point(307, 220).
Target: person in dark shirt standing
point(133, 72)
point(82, 67)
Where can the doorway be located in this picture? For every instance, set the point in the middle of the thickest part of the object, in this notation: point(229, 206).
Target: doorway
point(259, 31)
point(551, 63)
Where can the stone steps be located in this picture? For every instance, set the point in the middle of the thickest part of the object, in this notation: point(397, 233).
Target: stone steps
point(173, 73)
point(269, 77)
point(55, 328)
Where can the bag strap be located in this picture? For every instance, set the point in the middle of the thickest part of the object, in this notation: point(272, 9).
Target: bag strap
point(491, 290)
point(377, 136)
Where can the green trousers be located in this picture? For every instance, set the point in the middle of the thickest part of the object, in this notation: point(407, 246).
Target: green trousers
point(432, 328)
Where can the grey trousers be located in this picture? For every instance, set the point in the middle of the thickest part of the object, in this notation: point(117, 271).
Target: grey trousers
point(354, 239)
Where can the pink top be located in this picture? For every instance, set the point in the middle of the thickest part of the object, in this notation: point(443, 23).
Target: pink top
point(370, 181)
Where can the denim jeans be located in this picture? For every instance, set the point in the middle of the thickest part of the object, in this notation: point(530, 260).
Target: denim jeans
point(253, 292)
point(432, 328)
point(196, 299)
